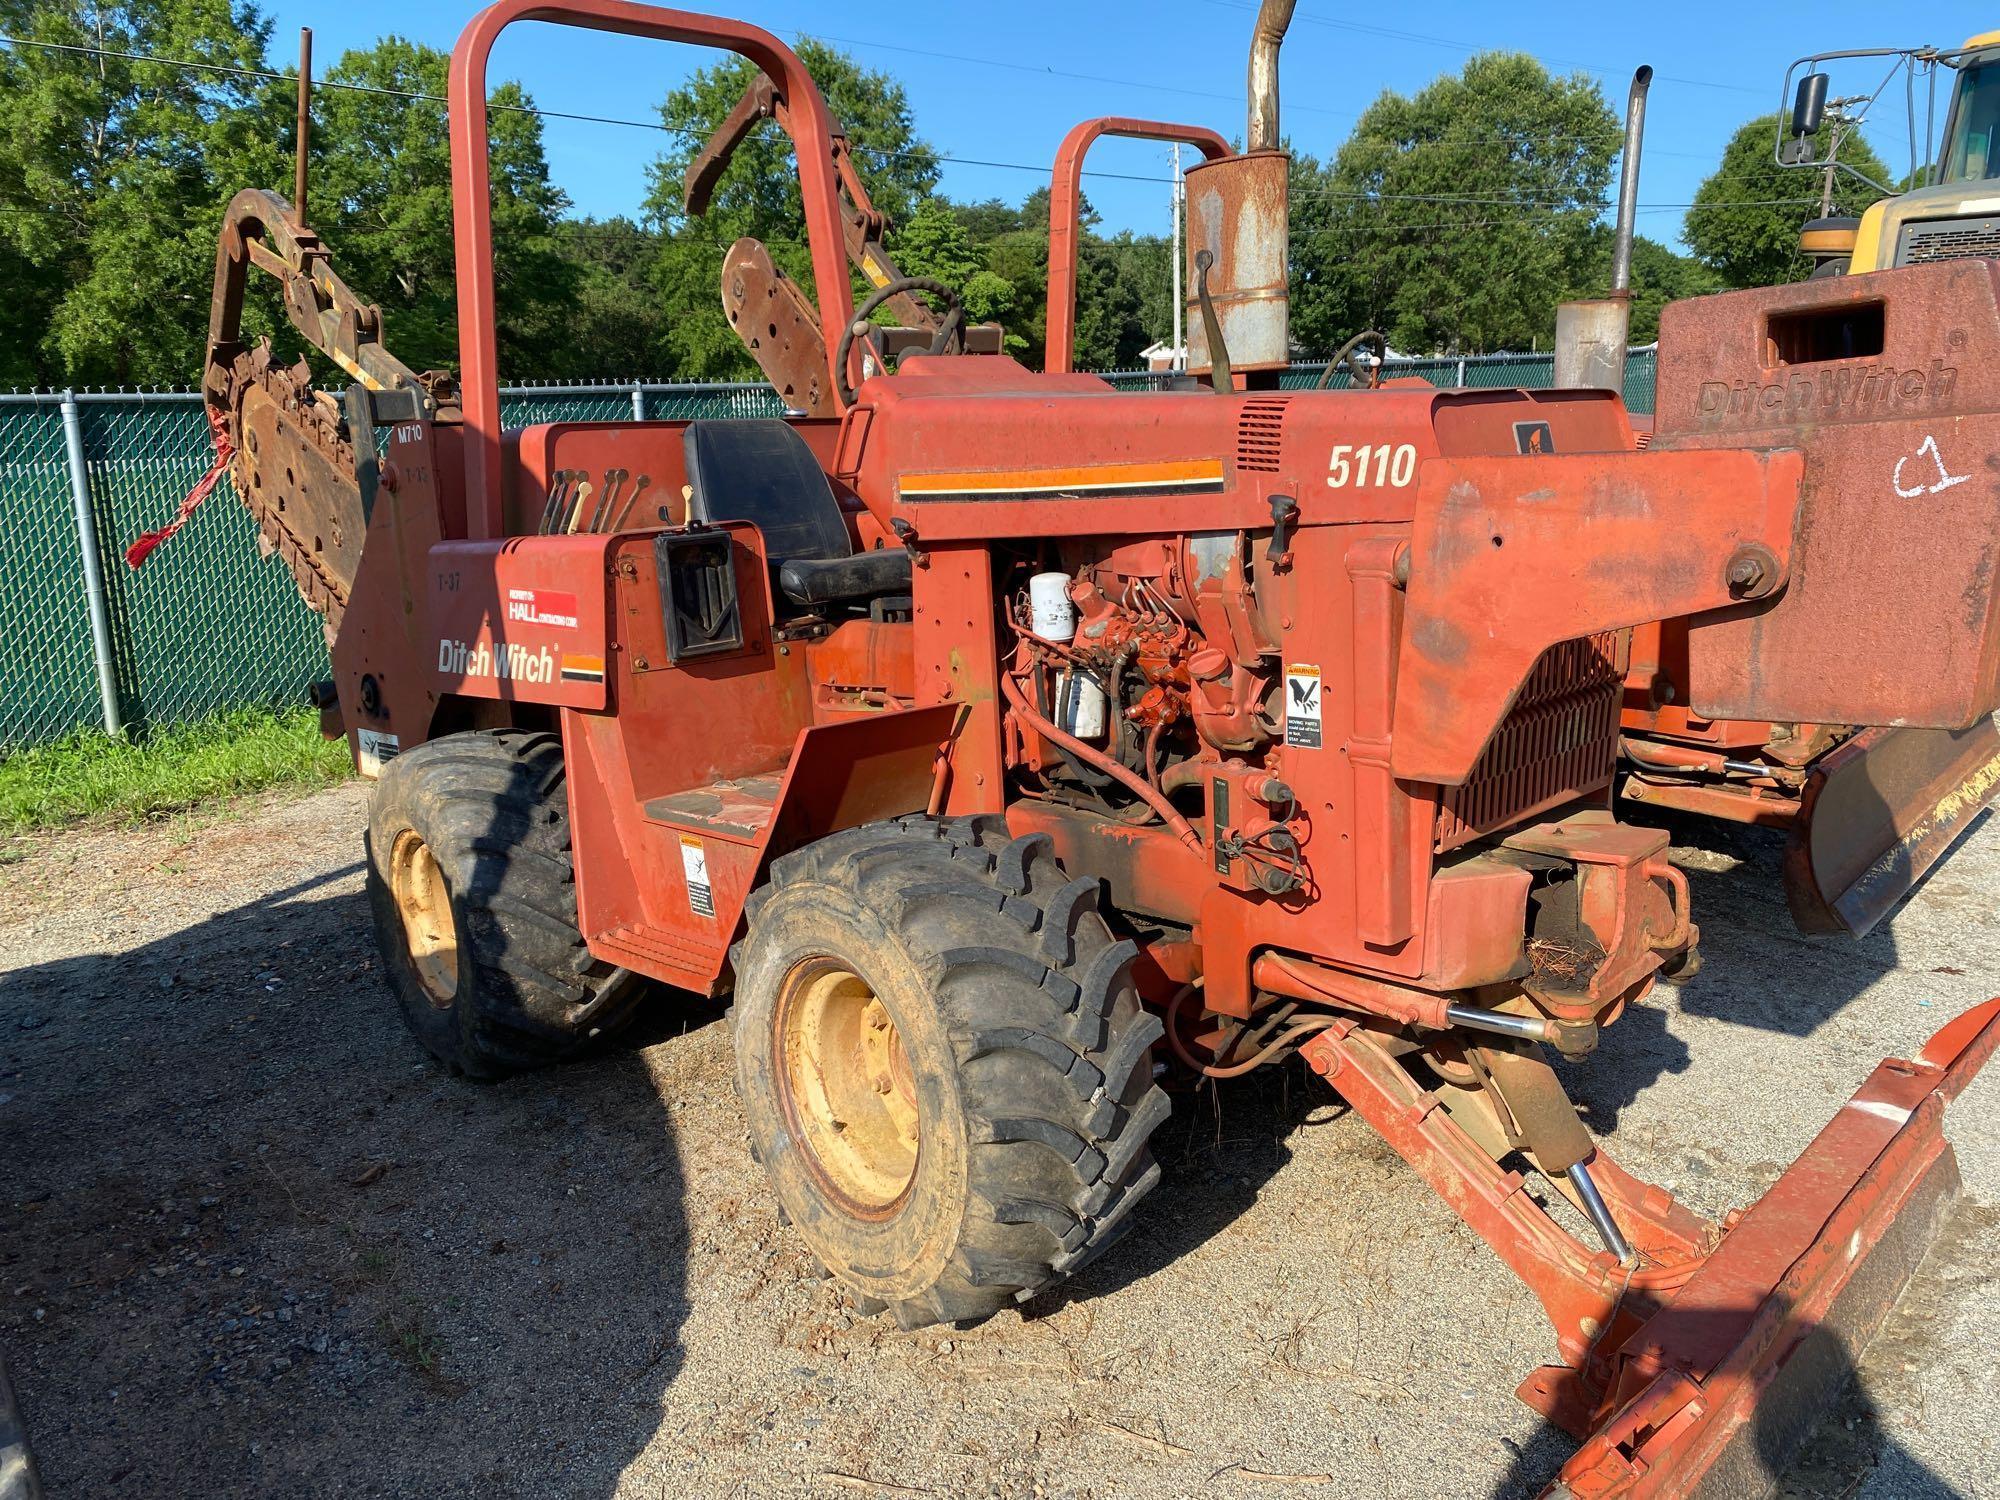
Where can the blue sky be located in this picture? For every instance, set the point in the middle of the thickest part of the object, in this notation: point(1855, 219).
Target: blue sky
point(1048, 63)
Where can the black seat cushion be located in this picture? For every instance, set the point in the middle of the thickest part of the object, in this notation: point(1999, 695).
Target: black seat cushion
point(763, 472)
point(865, 575)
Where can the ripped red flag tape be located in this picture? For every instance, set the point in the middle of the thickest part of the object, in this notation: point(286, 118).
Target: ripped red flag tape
point(218, 431)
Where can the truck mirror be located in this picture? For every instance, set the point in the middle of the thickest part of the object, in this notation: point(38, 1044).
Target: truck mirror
point(1809, 105)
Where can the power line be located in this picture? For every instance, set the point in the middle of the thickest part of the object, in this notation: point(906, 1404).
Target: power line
point(1044, 71)
point(1457, 45)
point(524, 109)
point(691, 137)
point(1553, 195)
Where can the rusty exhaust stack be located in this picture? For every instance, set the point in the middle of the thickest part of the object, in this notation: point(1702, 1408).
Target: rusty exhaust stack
point(1592, 335)
point(1238, 219)
point(1628, 181)
point(1273, 18)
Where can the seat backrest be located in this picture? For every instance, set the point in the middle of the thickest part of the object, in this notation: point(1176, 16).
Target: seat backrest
point(763, 472)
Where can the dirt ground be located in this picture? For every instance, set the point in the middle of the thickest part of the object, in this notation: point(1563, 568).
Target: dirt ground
point(257, 1245)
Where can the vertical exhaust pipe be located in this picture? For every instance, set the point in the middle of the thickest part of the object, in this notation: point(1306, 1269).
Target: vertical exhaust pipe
point(1628, 182)
point(1274, 17)
point(1591, 336)
point(1238, 222)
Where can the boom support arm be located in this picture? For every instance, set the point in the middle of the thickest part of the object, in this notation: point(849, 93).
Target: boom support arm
point(292, 460)
point(862, 223)
point(775, 320)
point(259, 229)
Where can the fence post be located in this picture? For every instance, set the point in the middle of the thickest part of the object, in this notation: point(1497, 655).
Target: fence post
point(93, 567)
point(1461, 372)
point(638, 402)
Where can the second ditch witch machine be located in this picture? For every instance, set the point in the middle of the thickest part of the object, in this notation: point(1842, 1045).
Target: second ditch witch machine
point(1010, 746)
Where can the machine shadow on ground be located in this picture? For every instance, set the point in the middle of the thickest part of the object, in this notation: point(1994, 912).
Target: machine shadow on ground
point(1217, 1151)
point(255, 1231)
point(242, 1197)
point(1814, 1448)
point(1758, 969)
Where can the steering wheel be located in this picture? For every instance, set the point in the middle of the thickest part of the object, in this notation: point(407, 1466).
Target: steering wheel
point(1344, 355)
point(950, 336)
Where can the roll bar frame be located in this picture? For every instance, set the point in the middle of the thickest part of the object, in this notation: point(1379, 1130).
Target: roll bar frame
point(807, 121)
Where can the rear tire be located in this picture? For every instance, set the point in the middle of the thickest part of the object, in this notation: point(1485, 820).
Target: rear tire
point(946, 1068)
point(474, 900)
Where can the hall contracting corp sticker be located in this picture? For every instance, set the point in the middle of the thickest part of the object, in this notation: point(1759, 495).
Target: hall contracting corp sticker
point(555, 607)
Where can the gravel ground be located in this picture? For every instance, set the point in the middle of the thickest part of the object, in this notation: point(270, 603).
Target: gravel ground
point(259, 1246)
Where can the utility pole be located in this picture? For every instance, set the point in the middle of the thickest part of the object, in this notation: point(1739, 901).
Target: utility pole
point(1180, 351)
point(1839, 124)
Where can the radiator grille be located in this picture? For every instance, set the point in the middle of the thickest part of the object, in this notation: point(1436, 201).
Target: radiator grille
point(1948, 239)
point(1257, 433)
point(1558, 742)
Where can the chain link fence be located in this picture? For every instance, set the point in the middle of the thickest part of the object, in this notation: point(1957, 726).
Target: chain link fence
point(210, 624)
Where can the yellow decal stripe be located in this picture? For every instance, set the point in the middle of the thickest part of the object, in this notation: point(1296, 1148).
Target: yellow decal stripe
point(1090, 476)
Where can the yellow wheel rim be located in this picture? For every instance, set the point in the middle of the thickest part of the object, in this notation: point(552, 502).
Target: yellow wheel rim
point(848, 1094)
point(423, 900)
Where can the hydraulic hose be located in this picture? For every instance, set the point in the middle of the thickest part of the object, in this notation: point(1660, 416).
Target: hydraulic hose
point(1128, 779)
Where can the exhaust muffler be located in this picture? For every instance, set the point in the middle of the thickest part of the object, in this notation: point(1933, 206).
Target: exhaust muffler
point(1238, 213)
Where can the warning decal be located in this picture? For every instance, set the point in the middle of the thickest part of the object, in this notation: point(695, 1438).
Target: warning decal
point(376, 750)
point(1302, 706)
point(694, 861)
point(1533, 438)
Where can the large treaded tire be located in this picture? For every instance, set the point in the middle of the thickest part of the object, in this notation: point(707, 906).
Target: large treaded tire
point(491, 808)
point(1030, 1054)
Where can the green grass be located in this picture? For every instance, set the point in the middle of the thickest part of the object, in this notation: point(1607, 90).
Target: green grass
point(92, 777)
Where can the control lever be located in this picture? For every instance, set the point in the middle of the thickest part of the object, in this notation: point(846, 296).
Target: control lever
point(558, 502)
point(1221, 378)
point(631, 500)
point(1284, 518)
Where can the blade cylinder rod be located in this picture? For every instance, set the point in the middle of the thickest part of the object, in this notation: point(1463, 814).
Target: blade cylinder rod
point(1532, 1028)
point(1600, 1214)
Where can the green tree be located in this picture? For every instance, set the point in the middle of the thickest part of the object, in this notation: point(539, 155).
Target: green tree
point(1142, 268)
point(113, 177)
point(614, 328)
point(1745, 222)
point(1013, 241)
point(1454, 219)
point(759, 194)
point(933, 242)
point(1123, 283)
point(381, 198)
point(1660, 276)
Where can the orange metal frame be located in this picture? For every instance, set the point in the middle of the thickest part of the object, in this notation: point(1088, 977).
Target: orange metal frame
point(1420, 595)
point(1065, 206)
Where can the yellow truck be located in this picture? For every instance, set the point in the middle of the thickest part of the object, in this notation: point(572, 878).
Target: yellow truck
point(1950, 208)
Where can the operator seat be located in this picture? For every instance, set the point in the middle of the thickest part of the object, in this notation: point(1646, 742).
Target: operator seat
point(762, 472)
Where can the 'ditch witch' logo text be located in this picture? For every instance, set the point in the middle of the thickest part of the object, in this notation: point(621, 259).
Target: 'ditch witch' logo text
point(504, 662)
point(1822, 395)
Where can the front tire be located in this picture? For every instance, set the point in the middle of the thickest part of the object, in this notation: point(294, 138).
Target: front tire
point(946, 1068)
point(474, 900)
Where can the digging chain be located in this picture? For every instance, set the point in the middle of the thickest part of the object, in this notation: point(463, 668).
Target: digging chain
point(314, 417)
